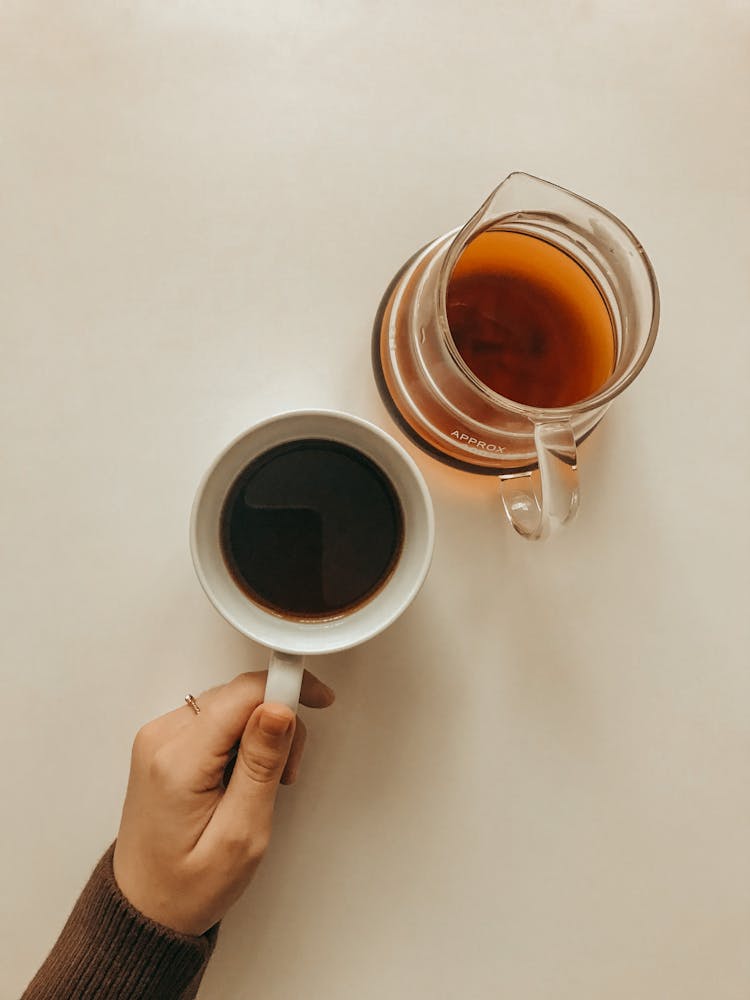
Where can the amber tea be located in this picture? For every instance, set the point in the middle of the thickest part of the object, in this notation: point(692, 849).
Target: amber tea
point(529, 321)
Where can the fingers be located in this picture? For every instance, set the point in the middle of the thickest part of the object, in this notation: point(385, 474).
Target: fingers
point(246, 810)
point(314, 693)
point(201, 744)
point(225, 710)
point(224, 713)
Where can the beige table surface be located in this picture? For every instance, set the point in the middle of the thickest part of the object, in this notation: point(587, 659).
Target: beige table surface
point(536, 785)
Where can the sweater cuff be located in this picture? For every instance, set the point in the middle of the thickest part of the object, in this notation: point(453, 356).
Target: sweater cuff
point(108, 949)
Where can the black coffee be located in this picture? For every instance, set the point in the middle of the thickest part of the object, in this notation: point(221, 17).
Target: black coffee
point(311, 529)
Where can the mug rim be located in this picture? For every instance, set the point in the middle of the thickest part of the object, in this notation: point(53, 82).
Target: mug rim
point(313, 631)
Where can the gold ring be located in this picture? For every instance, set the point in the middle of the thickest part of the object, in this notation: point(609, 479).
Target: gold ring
point(193, 703)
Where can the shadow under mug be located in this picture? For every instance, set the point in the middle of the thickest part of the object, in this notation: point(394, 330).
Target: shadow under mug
point(440, 403)
point(291, 639)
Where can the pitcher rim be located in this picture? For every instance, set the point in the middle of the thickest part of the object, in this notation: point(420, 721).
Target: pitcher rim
point(605, 395)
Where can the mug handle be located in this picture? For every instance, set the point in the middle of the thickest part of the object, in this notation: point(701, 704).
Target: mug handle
point(539, 501)
point(284, 678)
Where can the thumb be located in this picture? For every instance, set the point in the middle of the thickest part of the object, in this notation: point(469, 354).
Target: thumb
point(265, 745)
point(250, 796)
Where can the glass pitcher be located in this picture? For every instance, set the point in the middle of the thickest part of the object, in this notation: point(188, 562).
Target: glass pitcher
point(441, 403)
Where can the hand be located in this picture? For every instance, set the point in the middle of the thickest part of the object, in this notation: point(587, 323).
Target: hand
point(188, 845)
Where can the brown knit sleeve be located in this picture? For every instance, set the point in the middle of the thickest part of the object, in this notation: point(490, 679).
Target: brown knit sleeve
point(109, 951)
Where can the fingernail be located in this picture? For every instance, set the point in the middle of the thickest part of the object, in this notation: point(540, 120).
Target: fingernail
point(329, 691)
point(273, 723)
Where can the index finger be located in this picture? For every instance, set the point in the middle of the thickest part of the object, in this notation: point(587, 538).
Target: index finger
point(314, 693)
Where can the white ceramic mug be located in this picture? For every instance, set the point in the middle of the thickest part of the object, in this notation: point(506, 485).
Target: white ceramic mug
point(291, 640)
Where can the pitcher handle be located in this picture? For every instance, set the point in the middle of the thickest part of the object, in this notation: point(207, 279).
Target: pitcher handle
point(538, 502)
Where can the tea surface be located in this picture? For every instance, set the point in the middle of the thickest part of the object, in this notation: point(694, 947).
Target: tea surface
point(529, 321)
